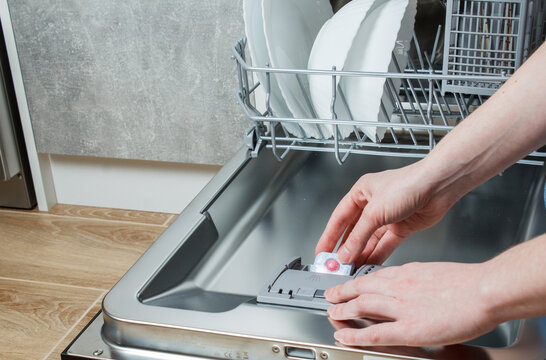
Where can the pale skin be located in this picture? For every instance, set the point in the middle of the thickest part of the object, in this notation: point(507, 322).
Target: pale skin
point(442, 303)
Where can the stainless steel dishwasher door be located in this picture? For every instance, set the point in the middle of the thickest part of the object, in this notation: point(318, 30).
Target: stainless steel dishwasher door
point(193, 292)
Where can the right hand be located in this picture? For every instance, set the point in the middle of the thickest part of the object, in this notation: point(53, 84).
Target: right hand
point(382, 210)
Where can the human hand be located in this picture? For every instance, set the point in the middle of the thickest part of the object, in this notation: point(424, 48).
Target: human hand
point(422, 304)
point(380, 211)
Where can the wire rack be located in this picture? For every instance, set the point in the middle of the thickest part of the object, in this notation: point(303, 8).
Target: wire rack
point(489, 37)
point(421, 115)
point(536, 28)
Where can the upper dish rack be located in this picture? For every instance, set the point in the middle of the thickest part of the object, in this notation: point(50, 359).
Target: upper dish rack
point(421, 115)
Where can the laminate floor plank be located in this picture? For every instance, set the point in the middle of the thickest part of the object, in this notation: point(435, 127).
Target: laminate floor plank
point(99, 213)
point(70, 250)
point(34, 316)
point(55, 353)
point(172, 219)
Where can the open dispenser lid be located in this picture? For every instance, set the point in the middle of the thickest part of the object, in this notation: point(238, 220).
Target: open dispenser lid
point(303, 286)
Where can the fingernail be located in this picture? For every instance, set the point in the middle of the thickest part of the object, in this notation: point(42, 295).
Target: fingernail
point(338, 335)
point(344, 255)
point(327, 293)
point(331, 310)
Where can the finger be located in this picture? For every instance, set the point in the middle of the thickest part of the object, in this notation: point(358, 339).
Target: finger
point(374, 306)
point(344, 214)
point(371, 244)
point(353, 323)
point(385, 248)
point(353, 288)
point(385, 333)
point(388, 272)
point(358, 238)
point(350, 228)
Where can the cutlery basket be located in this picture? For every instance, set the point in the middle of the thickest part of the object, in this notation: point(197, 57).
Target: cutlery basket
point(488, 38)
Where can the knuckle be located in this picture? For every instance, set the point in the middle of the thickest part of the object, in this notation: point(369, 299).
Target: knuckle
point(334, 293)
point(361, 301)
point(359, 193)
point(359, 284)
point(374, 337)
point(335, 311)
point(350, 337)
point(353, 241)
point(410, 336)
point(348, 288)
point(372, 215)
point(363, 180)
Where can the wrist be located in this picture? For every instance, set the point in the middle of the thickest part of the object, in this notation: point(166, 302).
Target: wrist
point(442, 181)
point(513, 285)
point(496, 293)
point(489, 293)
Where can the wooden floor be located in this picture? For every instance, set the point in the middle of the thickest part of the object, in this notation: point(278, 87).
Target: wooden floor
point(56, 267)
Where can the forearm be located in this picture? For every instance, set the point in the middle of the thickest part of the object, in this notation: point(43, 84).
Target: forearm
point(514, 284)
point(510, 125)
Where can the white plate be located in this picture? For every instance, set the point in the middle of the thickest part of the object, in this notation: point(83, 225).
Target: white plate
point(388, 23)
point(290, 29)
point(330, 48)
point(254, 29)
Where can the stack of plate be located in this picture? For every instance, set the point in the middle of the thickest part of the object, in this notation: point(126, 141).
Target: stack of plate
point(299, 34)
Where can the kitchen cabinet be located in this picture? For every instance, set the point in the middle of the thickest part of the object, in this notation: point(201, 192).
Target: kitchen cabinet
point(146, 79)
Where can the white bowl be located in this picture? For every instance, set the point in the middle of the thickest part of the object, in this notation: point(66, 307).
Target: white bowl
point(291, 27)
point(254, 29)
point(331, 48)
point(388, 23)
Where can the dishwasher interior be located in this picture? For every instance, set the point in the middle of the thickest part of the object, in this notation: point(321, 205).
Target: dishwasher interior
point(193, 293)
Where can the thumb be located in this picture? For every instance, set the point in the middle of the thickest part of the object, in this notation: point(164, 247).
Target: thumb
point(382, 334)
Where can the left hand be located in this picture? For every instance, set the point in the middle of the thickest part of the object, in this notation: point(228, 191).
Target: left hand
point(422, 304)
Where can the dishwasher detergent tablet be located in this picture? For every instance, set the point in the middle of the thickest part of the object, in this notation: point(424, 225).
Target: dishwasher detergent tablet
point(328, 263)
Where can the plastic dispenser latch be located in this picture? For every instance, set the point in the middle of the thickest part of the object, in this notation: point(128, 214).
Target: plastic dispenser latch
point(303, 286)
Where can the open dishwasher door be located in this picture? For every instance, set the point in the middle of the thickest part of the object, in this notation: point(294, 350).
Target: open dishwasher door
point(193, 293)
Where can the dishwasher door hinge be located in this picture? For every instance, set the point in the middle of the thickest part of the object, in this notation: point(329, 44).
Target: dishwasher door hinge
point(253, 141)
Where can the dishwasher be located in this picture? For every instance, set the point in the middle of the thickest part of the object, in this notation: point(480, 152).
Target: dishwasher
point(195, 292)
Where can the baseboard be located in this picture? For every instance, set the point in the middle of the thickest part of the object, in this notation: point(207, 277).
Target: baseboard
point(127, 184)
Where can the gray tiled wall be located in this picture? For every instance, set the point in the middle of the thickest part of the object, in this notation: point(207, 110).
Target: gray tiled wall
point(138, 79)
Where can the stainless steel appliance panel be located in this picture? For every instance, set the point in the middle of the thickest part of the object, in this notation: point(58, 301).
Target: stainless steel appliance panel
point(193, 292)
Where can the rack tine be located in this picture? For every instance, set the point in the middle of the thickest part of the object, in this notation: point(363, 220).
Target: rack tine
point(344, 102)
point(422, 88)
point(392, 90)
point(429, 62)
point(432, 141)
point(435, 46)
point(459, 107)
point(252, 89)
point(287, 150)
point(413, 92)
point(387, 117)
point(465, 108)
point(307, 102)
point(272, 124)
point(435, 94)
point(335, 129)
point(306, 96)
point(470, 101)
point(407, 94)
point(418, 50)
